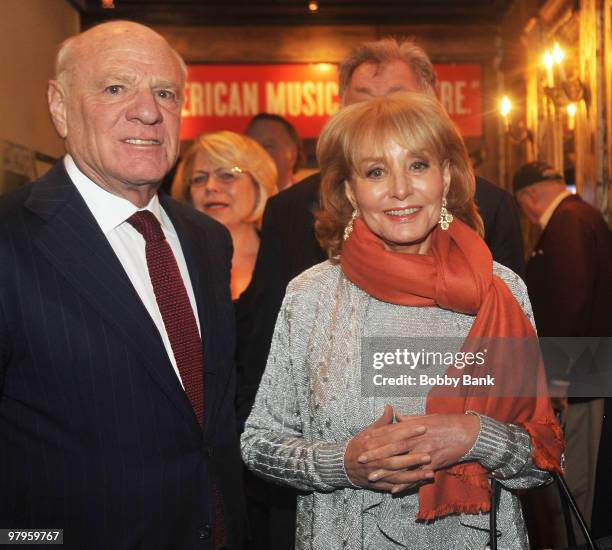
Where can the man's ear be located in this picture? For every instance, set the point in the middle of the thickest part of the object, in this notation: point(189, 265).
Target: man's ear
point(56, 98)
point(348, 191)
point(527, 201)
point(530, 193)
point(293, 154)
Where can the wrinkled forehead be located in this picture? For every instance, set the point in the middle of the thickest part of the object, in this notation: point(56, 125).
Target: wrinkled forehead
point(112, 52)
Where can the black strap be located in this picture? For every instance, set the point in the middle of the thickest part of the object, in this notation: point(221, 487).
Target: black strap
point(567, 503)
point(495, 493)
point(567, 518)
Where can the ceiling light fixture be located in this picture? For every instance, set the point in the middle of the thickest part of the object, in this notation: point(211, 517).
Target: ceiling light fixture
point(313, 6)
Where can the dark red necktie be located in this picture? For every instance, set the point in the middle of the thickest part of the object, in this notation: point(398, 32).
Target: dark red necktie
point(174, 306)
point(180, 323)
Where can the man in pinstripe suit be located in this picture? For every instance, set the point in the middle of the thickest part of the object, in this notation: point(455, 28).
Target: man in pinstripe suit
point(97, 433)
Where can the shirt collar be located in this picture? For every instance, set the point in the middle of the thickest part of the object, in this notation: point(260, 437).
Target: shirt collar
point(550, 209)
point(109, 210)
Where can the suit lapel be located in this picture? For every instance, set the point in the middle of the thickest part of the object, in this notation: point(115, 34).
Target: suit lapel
point(196, 250)
point(72, 241)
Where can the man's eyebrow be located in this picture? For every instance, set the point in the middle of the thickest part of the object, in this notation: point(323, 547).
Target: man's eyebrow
point(165, 84)
point(116, 77)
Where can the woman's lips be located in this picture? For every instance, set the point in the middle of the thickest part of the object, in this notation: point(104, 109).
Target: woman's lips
point(216, 205)
point(402, 214)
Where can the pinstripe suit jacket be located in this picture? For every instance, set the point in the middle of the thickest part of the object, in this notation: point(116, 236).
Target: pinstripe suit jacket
point(96, 434)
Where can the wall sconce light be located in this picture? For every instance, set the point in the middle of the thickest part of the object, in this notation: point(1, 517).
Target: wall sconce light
point(108, 4)
point(559, 88)
point(571, 115)
point(313, 7)
point(517, 133)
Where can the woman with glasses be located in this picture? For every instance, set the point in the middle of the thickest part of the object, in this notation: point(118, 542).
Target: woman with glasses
point(229, 177)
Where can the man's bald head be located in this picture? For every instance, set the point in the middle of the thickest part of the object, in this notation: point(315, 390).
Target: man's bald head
point(116, 101)
point(77, 47)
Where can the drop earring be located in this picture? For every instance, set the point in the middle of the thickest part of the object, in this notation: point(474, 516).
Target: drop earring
point(349, 226)
point(445, 216)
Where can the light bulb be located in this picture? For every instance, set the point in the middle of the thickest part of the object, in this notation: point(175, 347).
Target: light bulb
point(548, 59)
point(557, 53)
point(505, 106)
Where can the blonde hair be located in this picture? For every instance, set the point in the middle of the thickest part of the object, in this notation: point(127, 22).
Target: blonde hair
point(413, 120)
point(229, 149)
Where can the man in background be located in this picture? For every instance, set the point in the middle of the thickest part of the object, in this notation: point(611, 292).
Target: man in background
point(288, 243)
point(116, 323)
point(281, 140)
point(569, 280)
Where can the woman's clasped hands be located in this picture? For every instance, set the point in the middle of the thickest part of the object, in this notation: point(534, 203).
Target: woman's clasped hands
point(396, 456)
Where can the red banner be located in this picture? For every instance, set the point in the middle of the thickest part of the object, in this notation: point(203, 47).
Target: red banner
point(459, 90)
point(226, 97)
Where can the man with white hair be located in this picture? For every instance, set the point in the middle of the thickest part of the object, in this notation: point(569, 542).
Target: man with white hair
point(569, 280)
point(116, 323)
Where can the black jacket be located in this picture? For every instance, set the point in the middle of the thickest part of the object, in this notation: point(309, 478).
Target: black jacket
point(96, 434)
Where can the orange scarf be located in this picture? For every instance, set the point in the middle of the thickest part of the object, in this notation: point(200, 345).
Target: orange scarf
point(458, 276)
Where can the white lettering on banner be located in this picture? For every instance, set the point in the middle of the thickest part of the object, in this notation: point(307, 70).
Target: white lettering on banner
point(459, 97)
point(219, 99)
point(319, 98)
point(209, 97)
point(309, 98)
point(275, 98)
point(195, 99)
point(220, 108)
point(234, 101)
point(297, 98)
point(294, 98)
point(320, 107)
point(250, 98)
point(452, 96)
point(331, 90)
point(229, 99)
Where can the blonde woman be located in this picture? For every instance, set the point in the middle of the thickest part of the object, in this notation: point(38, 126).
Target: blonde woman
point(229, 177)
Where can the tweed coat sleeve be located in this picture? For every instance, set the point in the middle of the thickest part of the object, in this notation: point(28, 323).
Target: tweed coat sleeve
point(274, 443)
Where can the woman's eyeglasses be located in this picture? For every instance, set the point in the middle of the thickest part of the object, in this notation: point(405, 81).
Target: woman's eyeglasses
point(222, 175)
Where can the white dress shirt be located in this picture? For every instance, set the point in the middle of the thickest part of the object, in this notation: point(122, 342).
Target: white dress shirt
point(111, 213)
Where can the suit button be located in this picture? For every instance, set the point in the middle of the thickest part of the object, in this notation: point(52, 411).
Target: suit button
point(204, 532)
